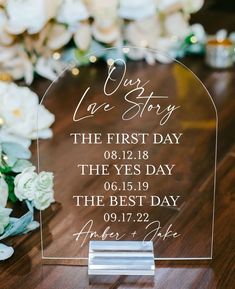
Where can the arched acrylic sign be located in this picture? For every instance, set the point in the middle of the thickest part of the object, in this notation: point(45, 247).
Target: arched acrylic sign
point(134, 156)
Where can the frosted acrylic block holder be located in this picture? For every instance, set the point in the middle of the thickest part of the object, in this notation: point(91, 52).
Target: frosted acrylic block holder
point(121, 258)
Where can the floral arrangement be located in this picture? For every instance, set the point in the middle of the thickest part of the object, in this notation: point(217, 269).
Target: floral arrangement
point(19, 107)
point(42, 36)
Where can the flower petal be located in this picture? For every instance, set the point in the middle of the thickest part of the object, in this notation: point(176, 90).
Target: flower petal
point(3, 192)
point(58, 36)
point(82, 37)
point(5, 252)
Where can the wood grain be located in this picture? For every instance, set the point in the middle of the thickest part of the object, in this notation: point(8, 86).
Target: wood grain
point(25, 269)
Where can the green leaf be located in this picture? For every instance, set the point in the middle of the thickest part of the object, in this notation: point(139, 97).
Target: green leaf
point(12, 197)
point(31, 227)
point(16, 150)
point(18, 225)
point(5, 169)
point(11, 187)
point(80, 57)
point(20, 165)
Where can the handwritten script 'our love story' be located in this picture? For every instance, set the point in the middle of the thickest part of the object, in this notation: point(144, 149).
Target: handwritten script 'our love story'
point(138, 101)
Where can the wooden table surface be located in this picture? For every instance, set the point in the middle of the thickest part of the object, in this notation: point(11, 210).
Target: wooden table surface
point(25, 269)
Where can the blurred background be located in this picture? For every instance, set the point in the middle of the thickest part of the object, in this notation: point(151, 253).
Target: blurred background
point(40, 37)
point(216, 14)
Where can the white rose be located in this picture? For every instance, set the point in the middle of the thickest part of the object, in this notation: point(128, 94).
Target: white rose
point(25, 184)
point(72, 11)
point(35, 187)
point(43, 200)
point(44, 191)
point(3, 192)
point(137, 9)
point(45, 181)
point(19, 109)
point(30, 15)
point(4, 218)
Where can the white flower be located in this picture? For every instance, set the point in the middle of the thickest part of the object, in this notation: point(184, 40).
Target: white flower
point(58, 36)
point(43, 200)
point(19, 107)
point(4, 218)
point(25, 184)
point(50, 69)
point(6, 137)
point(101, 7)
point(15, 61)
point(72, 11)
point(5, 38)
point(45, 182)
point(5, 252)
point(3, 192)
point(82, 37)
point(192, 6)
point(44, 195)
point(105, 31)
point(176, 25)
point(165, 46)
point(198, 30)
point(105, 27)
point(35, 187)
point(144, 32)
point(168, 6)
point(137, 9)
point(188, 6)
point(30, 15)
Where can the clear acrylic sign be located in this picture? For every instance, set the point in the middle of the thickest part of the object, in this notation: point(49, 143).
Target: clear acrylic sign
point(134, 158)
